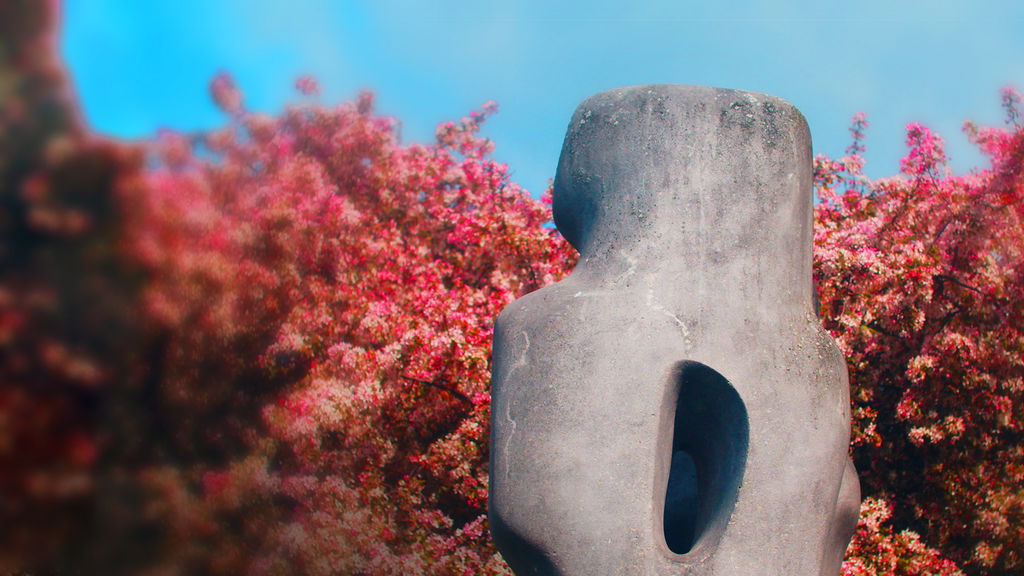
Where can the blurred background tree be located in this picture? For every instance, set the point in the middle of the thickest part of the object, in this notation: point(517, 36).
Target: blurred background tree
point(68, 335)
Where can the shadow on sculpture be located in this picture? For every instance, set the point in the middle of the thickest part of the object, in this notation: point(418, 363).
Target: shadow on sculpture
point(524, 557)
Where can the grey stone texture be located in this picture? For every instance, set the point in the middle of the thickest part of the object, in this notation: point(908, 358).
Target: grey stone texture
point(674, 406)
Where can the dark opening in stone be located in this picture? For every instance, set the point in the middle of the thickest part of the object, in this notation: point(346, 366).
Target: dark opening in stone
point(709, 452)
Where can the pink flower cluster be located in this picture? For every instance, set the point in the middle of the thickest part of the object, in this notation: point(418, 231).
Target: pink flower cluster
point(921, 281)
point(346, 286)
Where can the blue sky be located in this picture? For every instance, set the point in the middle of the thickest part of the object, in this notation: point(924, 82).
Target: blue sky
point(140, 66)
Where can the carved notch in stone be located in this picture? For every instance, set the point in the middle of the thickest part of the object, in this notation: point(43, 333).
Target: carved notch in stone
point(709, 450)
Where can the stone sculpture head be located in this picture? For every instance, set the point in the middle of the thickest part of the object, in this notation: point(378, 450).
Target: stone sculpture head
point(671, 166)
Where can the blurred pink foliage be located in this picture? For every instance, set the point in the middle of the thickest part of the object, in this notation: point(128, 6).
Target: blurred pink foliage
point(225, 93)
point(307, 86)
point(326, 297)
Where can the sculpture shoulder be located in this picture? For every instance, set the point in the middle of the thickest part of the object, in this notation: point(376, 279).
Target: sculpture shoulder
point(519, 310)
point(536, 306)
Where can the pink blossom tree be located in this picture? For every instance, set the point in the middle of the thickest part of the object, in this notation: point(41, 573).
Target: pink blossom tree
point(921, 279)
point(324, 299)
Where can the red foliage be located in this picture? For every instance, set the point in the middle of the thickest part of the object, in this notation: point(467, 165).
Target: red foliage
point(921, 279)
point(326, 297)
point(65, 332)
point(878, 549)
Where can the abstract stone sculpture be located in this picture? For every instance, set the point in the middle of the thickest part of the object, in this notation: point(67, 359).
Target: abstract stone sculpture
point(674, 406)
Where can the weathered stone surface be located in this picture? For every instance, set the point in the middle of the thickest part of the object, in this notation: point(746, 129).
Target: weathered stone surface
point(674, 407)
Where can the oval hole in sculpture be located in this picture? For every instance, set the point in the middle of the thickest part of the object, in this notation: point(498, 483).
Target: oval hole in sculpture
point(709, 453)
